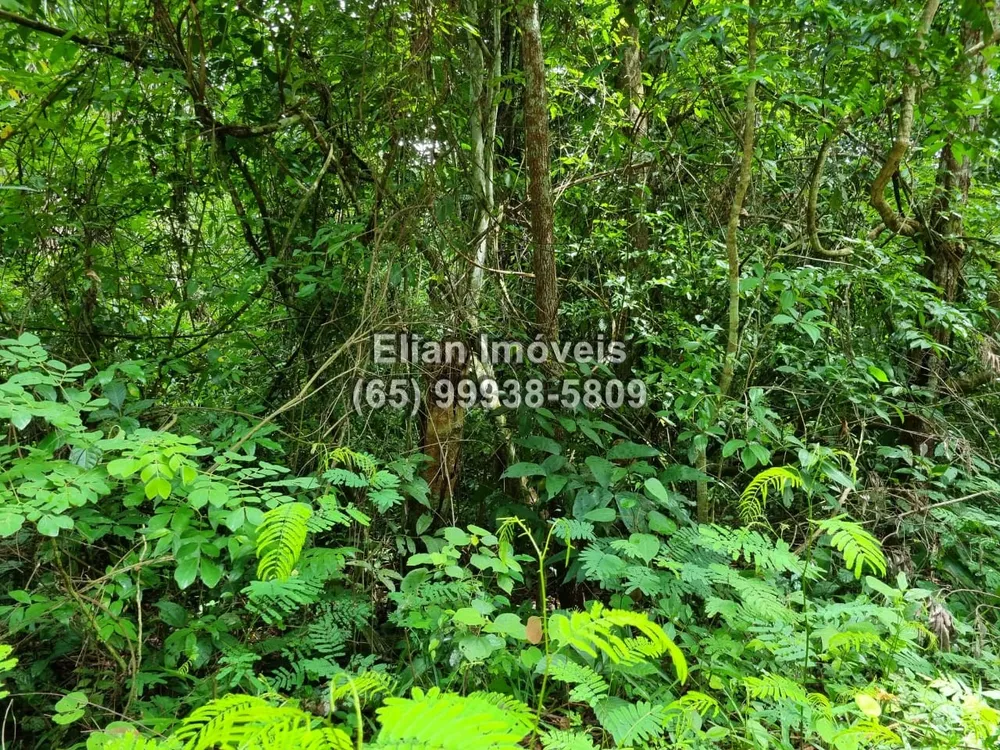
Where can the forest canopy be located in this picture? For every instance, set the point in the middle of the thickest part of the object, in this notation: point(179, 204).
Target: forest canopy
point(498, 374)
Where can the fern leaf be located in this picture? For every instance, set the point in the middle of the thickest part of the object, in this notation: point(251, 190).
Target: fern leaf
point(704, 705)
point(326, 738)
point(860, 549)
point(869, 732)
point(754, 497)
point(632, 723)
point(563, 739)
point(129, 740)
point(345, 478)
point(280, 539)
point(588, 686)
point(445, 721)
point(362, 462)
point(212, 719)
point(774, 687)
point(275, 600)
point(592, 632)
point(366, 686)
point(246, 722)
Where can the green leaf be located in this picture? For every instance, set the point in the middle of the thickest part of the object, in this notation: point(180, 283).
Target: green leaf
point(469, 616)
point(601, 515)
point(601, 468)
point(508, 624)
point(10, 521)
point(869, 706)
point(878, 373)
point(158, 487)
point(50, 525)
point(656, 490)
point(123, 467)
point(456, 537)
point(186, 570)
point(660, 523)
point(646, 546)
point(70, 707)
point(72, 701)
point(541, 443)
point(523, 469)
point(554, 484)
point(629, 450)
point(210, 571)
point(115, 392)
point(86, 458)
point(731, 447)
point(477, 647)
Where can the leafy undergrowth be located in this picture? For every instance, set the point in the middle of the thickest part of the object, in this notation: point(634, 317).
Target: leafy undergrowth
point(164, 593)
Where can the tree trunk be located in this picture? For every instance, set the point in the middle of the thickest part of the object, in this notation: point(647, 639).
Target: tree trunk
point(536, 131)
point(704, 505)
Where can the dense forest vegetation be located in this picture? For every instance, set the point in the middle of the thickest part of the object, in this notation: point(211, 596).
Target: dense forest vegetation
point(488, 374)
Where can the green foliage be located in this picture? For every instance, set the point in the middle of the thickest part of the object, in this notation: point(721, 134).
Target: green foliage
point(632, 723)
point(442, 721)
point(754, 496)
point(860, 549)
point(244, 722)
point(588, 685)
point(592, 632)
point(280, 538)
point(234, 510)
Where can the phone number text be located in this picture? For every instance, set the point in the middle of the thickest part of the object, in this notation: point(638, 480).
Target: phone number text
point(568, 393)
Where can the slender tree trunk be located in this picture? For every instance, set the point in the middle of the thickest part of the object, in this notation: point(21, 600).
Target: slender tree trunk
point(443, 426)
point(536, 129)
point(944, 241)
point(705, 510)
point(632, 87)
point(736, 209)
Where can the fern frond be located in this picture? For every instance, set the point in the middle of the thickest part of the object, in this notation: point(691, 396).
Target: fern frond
point(859, 548)
point(848, 641)
point(130, 740)
point(275, 600)
point(345, 478)
point(752, 546)
point(280, 539)
point(601, 566)
point(326, 738)
point(705, 705)
point(366, 686)
point(774, 687)
point(572, 529)
point(588, 686)
point(363, 463)
point(659, 641)
point(820, 703)
point(445, 721)
point(563, 739)
point(754, 497)
point(868, 732)
point(592, 632)
point(245, 722)
point(632, 723)
point(212, 719)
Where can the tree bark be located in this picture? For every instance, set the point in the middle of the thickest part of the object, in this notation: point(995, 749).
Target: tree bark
point(896, 222)
point(536, 146)
point(704, 505)
point(736, 208)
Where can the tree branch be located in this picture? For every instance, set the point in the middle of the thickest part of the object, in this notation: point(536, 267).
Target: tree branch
point(899, 224)
point(133, 55)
